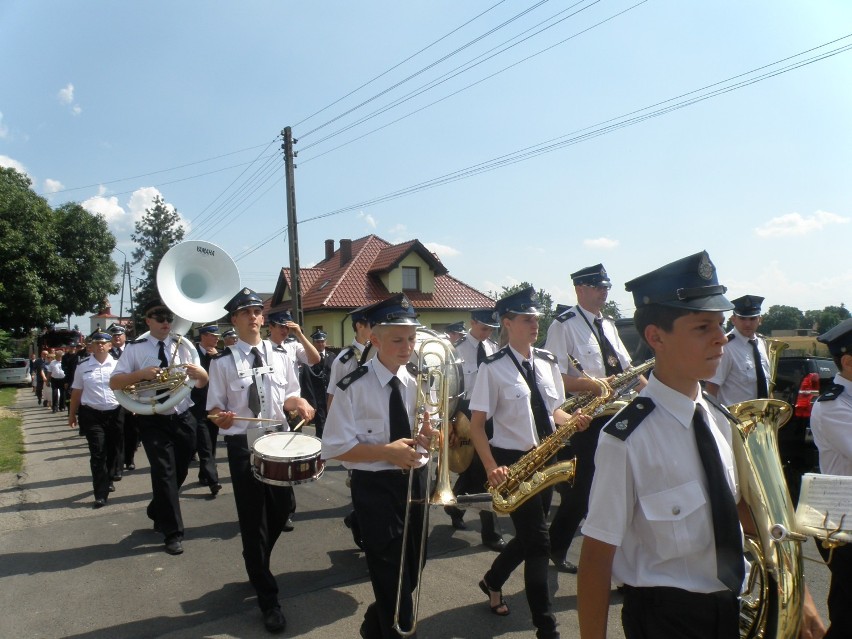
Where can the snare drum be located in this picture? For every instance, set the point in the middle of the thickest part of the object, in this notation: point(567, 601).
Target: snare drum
point(286, 459)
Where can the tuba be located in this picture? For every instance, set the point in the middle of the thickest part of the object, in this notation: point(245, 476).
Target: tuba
point(195, 280)
point(440, 385)
point(771, 605)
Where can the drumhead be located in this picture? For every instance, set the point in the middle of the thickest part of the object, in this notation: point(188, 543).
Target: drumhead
point(287, 446)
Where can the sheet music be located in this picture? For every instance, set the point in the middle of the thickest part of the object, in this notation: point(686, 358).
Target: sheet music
point(821, 495)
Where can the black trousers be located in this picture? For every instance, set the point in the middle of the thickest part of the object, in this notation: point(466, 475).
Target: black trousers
point(664, 613)
point(380, 501)
point(39, 387)
point(57, 394)
point(530, 546)
point(130, 434)
point(103, 434)
point(574, 499)
point(169, 441)
point(262, 511)
point(471, 482)
point(839, 592)
point(205, 445)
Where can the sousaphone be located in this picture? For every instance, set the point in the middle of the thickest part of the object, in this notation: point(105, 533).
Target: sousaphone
point(195, 280)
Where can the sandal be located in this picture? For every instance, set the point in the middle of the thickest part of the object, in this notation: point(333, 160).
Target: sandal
point(496, 609)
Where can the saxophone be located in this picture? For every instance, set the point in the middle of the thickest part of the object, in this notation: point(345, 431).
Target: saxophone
point(619, 384)
point(530, 475)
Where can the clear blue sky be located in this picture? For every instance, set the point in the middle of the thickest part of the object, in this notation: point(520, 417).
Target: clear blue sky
point(95, 93)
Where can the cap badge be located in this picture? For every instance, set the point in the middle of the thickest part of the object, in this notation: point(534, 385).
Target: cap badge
point(246, 291)
point(404, 303)
point(705, 267)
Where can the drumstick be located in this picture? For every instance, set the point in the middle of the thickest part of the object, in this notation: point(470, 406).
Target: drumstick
point(298, 426)
point(247, 419)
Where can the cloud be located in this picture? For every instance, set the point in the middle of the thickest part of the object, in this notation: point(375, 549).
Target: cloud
point(794, 224)
point(66, 95)
point(398, 229)
point(369, 219)
point(442, 250)
point(8, 162)
point(108, 207)
point(52, 186)
point(4, 130)
point(601, 243)
point(121, 219)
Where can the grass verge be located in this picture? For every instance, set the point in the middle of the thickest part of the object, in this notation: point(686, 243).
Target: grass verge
point(11, 437)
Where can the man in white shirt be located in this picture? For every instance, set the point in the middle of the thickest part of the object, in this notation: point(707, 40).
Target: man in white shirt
point(168, 436)
point(743, 373)
point(251, 379)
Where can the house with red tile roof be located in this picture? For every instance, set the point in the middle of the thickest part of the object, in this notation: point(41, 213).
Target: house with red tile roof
point(367, 270)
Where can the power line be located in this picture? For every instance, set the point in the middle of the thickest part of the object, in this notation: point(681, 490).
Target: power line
point(174, 168)
point(593, 131)
point(427, 67)
point(399, 64)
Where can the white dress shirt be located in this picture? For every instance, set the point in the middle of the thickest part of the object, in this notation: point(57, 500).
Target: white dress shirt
point(143, 354)
point(360, 414)
point(736, 376)
point(574, 336)
point(230, 392)
point(501, 392)
point(340, 369)
point(649, 495)
point(466, 349)
point(92, 378)
point(831, 424)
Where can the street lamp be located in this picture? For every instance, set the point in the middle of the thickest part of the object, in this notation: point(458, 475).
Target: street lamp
point(125, 273)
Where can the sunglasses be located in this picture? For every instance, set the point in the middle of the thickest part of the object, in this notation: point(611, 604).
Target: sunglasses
point(160, 317)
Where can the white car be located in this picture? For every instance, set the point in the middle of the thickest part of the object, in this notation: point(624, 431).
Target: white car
point(16, 371)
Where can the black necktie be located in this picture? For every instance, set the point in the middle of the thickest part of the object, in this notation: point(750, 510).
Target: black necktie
point(539, 409)
point(726, 523)
point(762, 390)
point(612, 364)
point(254, 396)
point(480, 354)
point(399, 425)
point(161, 354)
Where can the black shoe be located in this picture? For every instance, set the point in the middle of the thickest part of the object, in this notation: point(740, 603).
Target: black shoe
point(111, 487)
point(563, 565)
point(130, 466)
point(99, 503)
point(116, 477)
point(173, 546)
point(496, 544)
point(456, 517)
point(288, 525)
point(215, 488)
point(274, 621)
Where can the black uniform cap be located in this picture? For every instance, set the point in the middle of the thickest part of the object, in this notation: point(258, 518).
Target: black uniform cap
point(747, 305)
point(486, 316)
point(319, 335)
point(395, 310)
point(457, 327)
point(689, 283)
point(524, 302)
point(246, 298)
point(280, 317)
point(592, 276)
point(839, 338)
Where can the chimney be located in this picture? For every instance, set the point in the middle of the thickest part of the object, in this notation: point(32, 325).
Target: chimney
point(345, 251)
point(329, 249)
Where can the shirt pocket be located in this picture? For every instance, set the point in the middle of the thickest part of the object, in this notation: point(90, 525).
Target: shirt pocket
point(240, 384)
point(678, 520)
point(371, 431)
point(516, 392)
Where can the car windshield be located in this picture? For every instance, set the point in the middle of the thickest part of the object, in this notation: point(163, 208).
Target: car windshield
point(15, 363)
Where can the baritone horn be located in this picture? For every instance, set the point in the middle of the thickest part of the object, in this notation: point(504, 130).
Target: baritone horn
point(195, 280)
point(439, 386)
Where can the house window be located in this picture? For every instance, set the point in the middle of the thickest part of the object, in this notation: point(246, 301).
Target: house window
point(410, 278)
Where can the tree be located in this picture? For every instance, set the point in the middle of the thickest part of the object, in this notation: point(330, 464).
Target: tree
point(781, 318)
point(87, 272)
point(611, 309)
point(830, 317)
point(545, 305)
point(158, 230)
point(28, 260)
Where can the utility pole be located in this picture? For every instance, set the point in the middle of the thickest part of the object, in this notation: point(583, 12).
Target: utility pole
point(292, 234)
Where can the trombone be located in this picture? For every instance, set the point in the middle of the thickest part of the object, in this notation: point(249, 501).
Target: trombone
point(439, 383)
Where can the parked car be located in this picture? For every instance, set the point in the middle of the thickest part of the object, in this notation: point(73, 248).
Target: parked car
point(16, 371)
point(633, 342)
point(799, 381)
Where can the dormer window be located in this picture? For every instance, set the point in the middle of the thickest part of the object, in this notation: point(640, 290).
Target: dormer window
point(410, 278)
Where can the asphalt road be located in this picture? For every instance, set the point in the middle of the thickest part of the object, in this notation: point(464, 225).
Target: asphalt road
point(67, 570)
